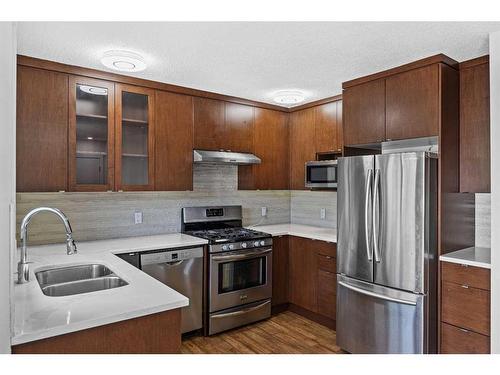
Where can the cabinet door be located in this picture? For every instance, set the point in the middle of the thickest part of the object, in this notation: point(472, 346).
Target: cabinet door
point(42, 130)
point(302, 145)
point(271, 146)
point(239, 124)
point(209, 126)
point(134, 161)
point(91, 134)
point(412, 104)
point(326, 127)
point(475, 129)
point(280, 270)
point(340, 127)
point(303, 274)
point(364, 113)
point(327, 293)
point(174, 141)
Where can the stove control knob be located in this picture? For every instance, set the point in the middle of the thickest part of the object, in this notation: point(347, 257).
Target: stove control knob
point(225, 247)
point(244, 245)
point(262, 243)
point(231, 247)
point(256, 243)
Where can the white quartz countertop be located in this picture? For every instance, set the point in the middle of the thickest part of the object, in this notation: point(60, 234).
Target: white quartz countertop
point(472, 256)
point(37, 316)
point(300, 230)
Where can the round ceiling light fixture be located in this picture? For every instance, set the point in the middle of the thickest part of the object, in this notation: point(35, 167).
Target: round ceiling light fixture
point(123, 61)
point(93, 90)
point(289, 97)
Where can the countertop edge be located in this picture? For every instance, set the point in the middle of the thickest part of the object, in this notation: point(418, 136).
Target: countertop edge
point(444, 258)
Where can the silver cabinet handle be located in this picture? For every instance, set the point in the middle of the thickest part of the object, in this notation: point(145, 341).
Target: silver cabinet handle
point(368, 197)
point(374, 215)
point(376, 295)
point(230, 257)
point(241, 312)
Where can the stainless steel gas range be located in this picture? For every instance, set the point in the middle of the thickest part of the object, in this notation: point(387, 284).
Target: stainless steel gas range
point(239, 269)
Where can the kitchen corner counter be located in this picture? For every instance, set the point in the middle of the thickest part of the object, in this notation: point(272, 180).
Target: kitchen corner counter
point(471, 256)
point(37, 316)
point(300, 230)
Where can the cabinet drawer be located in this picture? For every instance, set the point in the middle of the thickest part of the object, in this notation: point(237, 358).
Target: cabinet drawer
point(327, 263)
point(327, 294)
point(466, 307)
point(326, 248)
point(462, 274)
point(456, 340)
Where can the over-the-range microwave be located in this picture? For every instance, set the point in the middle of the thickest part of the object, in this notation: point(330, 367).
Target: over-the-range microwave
point(321, 174)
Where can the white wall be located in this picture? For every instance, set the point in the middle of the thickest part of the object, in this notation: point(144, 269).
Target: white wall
point(495, 189)
point(7, 173)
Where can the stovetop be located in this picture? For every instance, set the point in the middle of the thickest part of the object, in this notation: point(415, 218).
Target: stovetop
point(223, 235)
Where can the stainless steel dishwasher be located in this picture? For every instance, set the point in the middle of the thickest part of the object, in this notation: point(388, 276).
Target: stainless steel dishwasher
point(180, 269)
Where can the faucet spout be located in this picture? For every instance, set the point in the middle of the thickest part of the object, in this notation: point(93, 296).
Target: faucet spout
point(22, 266)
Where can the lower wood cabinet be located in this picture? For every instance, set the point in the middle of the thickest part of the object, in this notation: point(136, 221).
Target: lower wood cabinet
point(465, 309)
point(151, 334)
point(280, 270)
point(327, 293)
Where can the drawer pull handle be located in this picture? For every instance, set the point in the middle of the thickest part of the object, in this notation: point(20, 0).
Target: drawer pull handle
point(465, 286)
point(464, 330)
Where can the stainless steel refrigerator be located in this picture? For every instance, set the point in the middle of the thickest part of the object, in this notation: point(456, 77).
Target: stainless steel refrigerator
point(387, 253)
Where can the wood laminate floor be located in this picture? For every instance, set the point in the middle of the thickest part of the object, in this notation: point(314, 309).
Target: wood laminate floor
point(284, 333)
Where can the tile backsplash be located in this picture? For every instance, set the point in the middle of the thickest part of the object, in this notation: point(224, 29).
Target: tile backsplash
point(483, 220)
point(305, 208)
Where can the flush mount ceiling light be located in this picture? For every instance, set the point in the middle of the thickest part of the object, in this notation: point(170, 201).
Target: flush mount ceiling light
point(123, 61)
point(94, 90)
point(289, 97)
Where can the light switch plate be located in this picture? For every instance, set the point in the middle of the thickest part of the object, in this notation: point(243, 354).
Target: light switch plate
point(263, 211)
point(322, 214)
point(138, 217)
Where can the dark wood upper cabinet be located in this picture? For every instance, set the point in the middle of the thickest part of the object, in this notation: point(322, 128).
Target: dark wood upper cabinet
point(174, 141)
point(412, 104)
point(270, 138)
point(280, 270)
point(303, 274)
point(239, 126)
point(340, 128)
point(364, 113)
point(135, 138)
point(475, 126)
point(326, 134)
point(302, 145)
point(91, 138)
point(42, 130)
point(209, 124)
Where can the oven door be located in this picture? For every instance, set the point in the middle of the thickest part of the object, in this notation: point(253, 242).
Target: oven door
point(240, 277)
point(321, 174)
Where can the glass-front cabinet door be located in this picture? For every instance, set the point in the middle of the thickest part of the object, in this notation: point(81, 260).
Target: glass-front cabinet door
point(91, 134)
point(134, 160)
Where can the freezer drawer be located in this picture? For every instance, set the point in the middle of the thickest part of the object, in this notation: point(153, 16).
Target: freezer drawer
point(380, 320)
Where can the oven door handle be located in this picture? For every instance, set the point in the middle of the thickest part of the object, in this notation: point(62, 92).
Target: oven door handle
point(253, 254)
point(240, 312)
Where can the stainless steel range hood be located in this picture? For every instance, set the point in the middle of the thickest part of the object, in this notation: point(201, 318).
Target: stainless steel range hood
point(224, 157)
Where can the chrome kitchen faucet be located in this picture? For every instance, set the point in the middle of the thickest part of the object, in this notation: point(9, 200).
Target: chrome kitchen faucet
point(22, 266)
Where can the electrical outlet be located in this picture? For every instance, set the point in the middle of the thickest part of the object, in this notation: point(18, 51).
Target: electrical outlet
point(263, 211)
point(138, 217)
point(322, 214)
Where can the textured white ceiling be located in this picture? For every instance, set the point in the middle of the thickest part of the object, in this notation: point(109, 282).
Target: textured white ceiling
point(253, 60)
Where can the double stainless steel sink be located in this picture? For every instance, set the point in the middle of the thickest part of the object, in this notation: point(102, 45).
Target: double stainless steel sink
point(66, 281)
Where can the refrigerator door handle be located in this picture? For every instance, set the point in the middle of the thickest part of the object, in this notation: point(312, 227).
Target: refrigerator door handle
point(374, 215)
point(368, 198)
point(376, 295)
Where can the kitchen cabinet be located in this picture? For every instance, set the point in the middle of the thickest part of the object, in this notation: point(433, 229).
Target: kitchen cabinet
point(150, 334)
point(364, 113)
point(209, 124)
point(465, 308)
point(280, 270)
point(135, 138)
point(302, 145)
point(174, 141)
point(303, 274)
point(412, 104)
point(271, 146)
point(328, 127)
point(91, 134)
point(239, 126)
point(475, 126)
point(42, 130)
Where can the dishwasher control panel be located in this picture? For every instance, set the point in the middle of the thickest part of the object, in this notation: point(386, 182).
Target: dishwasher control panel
point(170, 255)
